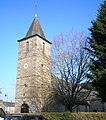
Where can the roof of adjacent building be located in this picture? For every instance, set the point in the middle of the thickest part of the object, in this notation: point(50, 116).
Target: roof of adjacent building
point(9, 104)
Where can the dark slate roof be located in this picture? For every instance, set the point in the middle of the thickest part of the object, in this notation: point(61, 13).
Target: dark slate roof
point(9, 104)
point(35, 28)
point(33, 36)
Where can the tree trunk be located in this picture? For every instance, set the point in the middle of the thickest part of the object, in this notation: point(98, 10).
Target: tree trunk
point(70, 108)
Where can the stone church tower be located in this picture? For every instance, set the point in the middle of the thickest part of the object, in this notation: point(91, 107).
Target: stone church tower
point(33, 80)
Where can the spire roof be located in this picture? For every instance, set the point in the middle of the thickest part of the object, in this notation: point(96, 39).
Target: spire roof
point(35, 28)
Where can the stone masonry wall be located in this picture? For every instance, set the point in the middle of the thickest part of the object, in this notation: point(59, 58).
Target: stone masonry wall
point(33, 74)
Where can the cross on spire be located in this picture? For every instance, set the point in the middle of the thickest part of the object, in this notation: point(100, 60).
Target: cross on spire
point(36, 7)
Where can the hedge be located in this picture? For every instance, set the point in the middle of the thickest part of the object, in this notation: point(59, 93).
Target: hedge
point(75, 116)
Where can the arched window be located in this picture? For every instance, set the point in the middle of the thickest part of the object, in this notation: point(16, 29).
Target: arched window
point(24, 108)
point(27, 46)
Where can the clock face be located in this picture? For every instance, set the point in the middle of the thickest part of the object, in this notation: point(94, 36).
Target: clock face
point(25, 66)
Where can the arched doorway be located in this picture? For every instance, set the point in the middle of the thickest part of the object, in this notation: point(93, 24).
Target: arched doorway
point(24, 108)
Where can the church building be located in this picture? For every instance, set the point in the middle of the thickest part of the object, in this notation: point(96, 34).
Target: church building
point(33, 80)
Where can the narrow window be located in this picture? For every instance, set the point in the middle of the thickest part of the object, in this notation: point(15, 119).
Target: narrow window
point(27, 46)
point(41, 65)
point(43, 47)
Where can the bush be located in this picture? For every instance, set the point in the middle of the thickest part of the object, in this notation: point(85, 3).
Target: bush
point(75, 116)
point(57, 116)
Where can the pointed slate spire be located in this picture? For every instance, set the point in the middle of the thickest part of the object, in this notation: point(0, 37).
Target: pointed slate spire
point(35, 28)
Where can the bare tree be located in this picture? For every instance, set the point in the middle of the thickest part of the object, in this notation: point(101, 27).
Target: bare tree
point(69, 64)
